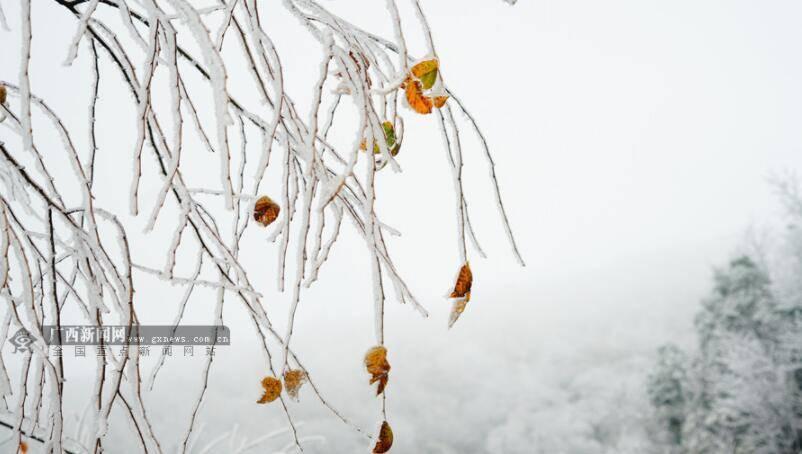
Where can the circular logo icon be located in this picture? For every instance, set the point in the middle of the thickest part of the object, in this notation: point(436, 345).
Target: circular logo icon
point(21, 340)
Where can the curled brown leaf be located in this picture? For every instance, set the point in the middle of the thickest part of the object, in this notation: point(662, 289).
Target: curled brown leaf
point(3, 94)
point(462, 288)
point(272, 389)
point(385, 440)
point(265, 211)
point(462, 293)
point(378, 367)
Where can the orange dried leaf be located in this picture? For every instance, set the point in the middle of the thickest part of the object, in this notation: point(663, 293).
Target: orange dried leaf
point(265, 211)
point(3, 94)
point(23, 447)
point(272, 388)
point(385, 441)
point(415, 98)
point(462, 291)
point(464, 281)
point(440, 101)
point(378, 367)
point(293, 380)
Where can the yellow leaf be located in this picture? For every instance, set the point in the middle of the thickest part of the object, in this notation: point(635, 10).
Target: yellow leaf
point(293, 379)
point(424, 67)
point(378, 367)
point(272, 389)
point(426, 71)
point(417, 101)
point(265, 211)
point(385, 441)
point(440, 101)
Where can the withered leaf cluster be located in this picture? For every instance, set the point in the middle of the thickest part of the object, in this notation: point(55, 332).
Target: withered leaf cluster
point(418, 87)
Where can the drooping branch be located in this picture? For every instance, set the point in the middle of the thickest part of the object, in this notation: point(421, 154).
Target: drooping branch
point(321, 186)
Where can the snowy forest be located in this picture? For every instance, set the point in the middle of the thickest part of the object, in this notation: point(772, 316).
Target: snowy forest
point(740, 389)
point(404, 226)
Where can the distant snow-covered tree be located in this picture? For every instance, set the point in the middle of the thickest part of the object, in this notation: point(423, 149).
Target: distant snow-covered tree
point(668, 389)
point(741, 304)
point(739, 402)
point(739, 393)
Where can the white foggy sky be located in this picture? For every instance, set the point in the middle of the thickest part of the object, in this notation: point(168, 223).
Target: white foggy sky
point(618, 128)
point(632, 141)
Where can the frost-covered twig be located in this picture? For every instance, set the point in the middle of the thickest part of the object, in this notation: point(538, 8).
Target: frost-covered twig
point(57, 256)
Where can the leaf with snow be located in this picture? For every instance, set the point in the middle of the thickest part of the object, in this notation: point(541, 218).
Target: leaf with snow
point(389, 139)
point(418, 87)
point(293, 380)
point(272, 389)
point(462, 293)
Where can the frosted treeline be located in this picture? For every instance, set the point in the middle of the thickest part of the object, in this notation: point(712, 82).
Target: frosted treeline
point(741, 391)
point(736, 387)
point(62, 249)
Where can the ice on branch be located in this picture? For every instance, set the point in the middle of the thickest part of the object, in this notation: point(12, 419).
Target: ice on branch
point(65, 249)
